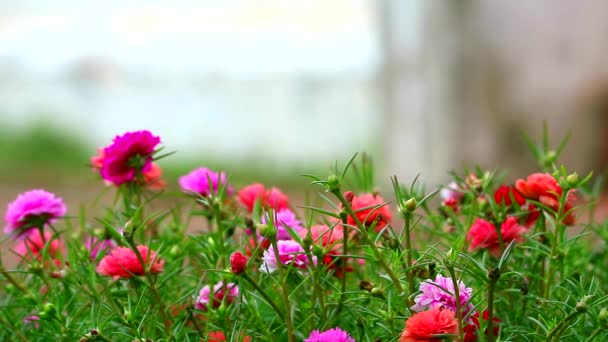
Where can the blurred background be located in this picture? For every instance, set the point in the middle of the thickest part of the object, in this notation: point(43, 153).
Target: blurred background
point(271, 89)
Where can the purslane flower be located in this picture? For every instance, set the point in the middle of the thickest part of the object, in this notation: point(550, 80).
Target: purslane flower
point(426, 325)
point(33, 244)
point(269, 199)
point(128, 155)
point(222, 292)
point(483, 235)
point(122, 262)
point(290, 253)
point(33, 209)
point(331, 335)
point(152, 177)
point(544, 188)
point(204, 182)
point(97, 246)
point(439, 293)
point(284, 219)
point(370, 208)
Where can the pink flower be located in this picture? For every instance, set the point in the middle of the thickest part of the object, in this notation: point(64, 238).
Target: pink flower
point(222, 292)
point(440, 294)
point(32, 319)
point(370, 208)
point(424, 326)
point(122, 262)
point(33, 245)
point(198, 180)
point(290, 253)
point(543, 187)
point(284, 219)
point(96, 246)
point(331, 335)
point(152, 177)
point(33, 209)
point(483, 235)
point(451, 193)
point(129, 154)
point(322, 235)
point(269, 199)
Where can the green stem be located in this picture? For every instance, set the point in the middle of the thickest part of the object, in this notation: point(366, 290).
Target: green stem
point(264, 294)
point(290, 334)
point(368, 240)
point(408, 246)
point(457, 300)
point(556, 332)
point(220, 230)
point(12, 280)
point(493, 277)
point(344, 254)
point(594, 334)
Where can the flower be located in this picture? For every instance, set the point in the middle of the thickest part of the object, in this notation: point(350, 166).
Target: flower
point(331, 335)
point(218, 336)
point(269, 199)
point(543, 187)
point(284, 219)
point(122, 262)
point(33, 244)
point(33, 209)
point(503, 195)
point(425, 325)
point(326, 237)
point(451, 195)
point(370, 208)
point(222, 292)
point(290, 253)
point(197, 181)
point(152, 177)
point(32, 319)
point(238, 263)
point(483, 235)
point(95, 246)
point(129, 154)
point(440, 294)
point(470, 331)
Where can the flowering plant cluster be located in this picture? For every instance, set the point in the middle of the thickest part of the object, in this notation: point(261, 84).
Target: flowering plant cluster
point(480, 259)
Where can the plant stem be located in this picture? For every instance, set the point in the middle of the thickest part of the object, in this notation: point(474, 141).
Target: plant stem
point(264, 294)
point(220, 231)
point(493, 276)
point(556, 332)
point(280, 265)
point(594, 334)
point(457, 300)
point(12, 280)
point(408, 251)
point(343, 266)
point(363, 230)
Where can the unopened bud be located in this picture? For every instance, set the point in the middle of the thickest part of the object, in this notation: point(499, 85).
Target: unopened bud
point(366, 285)
point(573, 179)
point(410, 204)
point(333, 183)
point(581, 307)
point(317, 251)
point(550, 157)
point(175, 250)
point(238, 263)
point(267, 231)
point(524, 286)
point(377, 292)
point(603, 318)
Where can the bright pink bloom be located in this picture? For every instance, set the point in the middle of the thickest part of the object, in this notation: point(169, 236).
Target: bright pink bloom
point(218, 336)
point(122, 262)
point(331, 335)
point(451, 195)
point(152, 177)
point(222, 292)
point(269, 199)
point(483, 235)
point(321, 234)
point(198, 180)
point(33, 245)
point(32, 319)
point(33, 209)
point(284, 219)
point(425, 325)
point(97, 246)
point(290, 253)
point(440, 294)
point(129, 154)
point(370, 208)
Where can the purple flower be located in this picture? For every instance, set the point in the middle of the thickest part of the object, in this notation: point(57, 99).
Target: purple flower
point(95, 246)
point(32, 319)
point(221, 292)
point(198, 180)
point(33, 209)
point(282, 219)
point(451, 192)
point(331, 335)
point(129, 154)
point(290, 253)
point(440, 294)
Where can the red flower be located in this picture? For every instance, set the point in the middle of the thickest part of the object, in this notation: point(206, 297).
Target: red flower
point(270, 199)
point(470, 331)
point(122, 262)
point(503, 195)
point(218, 336)
point(238, 263)
point(33, 245)
point(483, 235)
point(543, 187)
point(370, 208)
point(253, 244)
point(425, 325)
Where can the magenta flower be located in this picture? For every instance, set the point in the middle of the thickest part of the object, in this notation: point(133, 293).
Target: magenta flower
point(32, 319)
point(290, 253)
point(33, 209)
point(198, 180)
point(221, 292)
point(331, 335)
point(440, 294)
point(282, 219)
point(96, 246)
point(129, 154)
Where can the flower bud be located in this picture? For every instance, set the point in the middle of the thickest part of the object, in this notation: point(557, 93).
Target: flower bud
point(238, 263)
point(175, 250)
point(318, 251)
point(550, 157)
point(267, 231)
point(603, 318)
point(581, 307)
point(377, 292)
point(411, 204)
point(366, 285)
point(333, 183)
point(573, 179)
